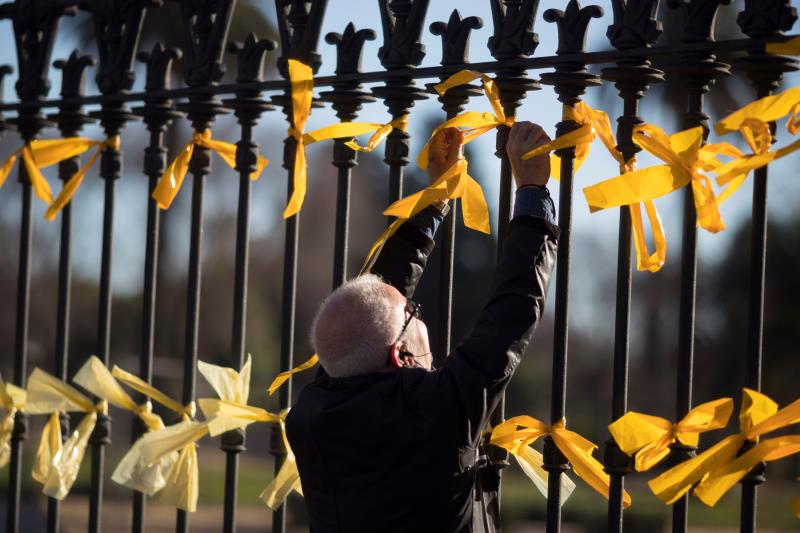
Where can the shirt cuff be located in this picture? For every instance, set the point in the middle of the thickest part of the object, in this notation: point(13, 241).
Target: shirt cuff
point(428, 220)
point(535, 202)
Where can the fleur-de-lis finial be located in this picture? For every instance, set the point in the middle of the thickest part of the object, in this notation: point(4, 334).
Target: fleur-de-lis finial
point(513, 28)
point(572, 25)
point(206, 24)
point(73, 73)
point(698, 18)
point(349, 46)
point(159, 66)
point(402, 22)
point(761, 18)
point(635, 24)
point(250, 56)
point(455, 37)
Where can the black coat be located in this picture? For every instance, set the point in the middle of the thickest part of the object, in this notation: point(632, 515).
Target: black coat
point(396, 452)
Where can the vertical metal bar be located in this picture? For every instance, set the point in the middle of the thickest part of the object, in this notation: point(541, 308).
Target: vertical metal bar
point(455, 42)
point(20, 433)
point(157, 114)
point(569, 80)
point(248, 106)
point(346, 99)
point(632, 77)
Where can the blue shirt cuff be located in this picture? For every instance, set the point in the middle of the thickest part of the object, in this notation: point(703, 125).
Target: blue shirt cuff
point(535, 202)
point(427, 220)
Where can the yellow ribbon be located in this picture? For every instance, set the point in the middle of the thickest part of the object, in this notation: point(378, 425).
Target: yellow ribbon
point(301, 78)
point(520, 431)
point(57, 464)
point(685, 162)
point(170, 182)
point(164, 459)
point(649, 437)
point(283, 377)
point(75, 181)
point(593, 124)
point(38, 155)
point(752, 122)
point(789, 48)
point(12, 400)
point(758, 415)
point(288, 478)
point(531, 461)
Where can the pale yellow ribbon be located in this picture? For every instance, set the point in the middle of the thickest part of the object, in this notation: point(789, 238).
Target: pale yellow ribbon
point(57, 464)
point(230, 411)
point(758, 415)
point(649, 437)
point(163, 460)
point(38, 155)
point(12, 400)
point(521, 431)
point(75, 181)
point(171, 180)
point(685, 159)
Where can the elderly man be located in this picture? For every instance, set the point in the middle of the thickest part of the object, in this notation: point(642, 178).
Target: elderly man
point(384, 442)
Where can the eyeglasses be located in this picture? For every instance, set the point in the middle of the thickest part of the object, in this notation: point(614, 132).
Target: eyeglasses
point(414, 309)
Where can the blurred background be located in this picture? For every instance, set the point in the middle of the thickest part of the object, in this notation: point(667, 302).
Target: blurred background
point(722, 277)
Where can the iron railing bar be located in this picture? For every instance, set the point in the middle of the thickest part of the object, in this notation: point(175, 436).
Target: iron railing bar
point(732, 46)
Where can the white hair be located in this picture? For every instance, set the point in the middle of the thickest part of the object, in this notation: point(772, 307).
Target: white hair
point(354, 327)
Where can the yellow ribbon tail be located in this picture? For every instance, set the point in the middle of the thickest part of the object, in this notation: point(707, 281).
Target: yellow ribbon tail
point(223, 415)
point(720, 481)
point(283, 377)
point(675, 482)
point(583, 135)
point(171, 180)
point(377, 246)
point(474, 208)
point(6, 429)
point(635, 187)
point(286, 480)
point(141, 386)
point(49, 445)
point(67, 460)
point(578, 451)
point(38, 182)
point(530, 461)
point(5, 170)
point(767, 109)
point(182, 482)
point(645, 261)
point(298, 183)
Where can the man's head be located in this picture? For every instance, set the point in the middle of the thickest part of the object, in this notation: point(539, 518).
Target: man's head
point(359, 329)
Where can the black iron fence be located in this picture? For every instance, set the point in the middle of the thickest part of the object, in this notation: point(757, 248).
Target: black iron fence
point(636, 62)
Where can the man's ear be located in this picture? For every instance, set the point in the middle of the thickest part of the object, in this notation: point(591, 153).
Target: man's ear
point(395, 359)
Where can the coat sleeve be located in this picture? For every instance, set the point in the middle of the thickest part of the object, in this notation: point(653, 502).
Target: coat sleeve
point(403, 258)
point(475, 375)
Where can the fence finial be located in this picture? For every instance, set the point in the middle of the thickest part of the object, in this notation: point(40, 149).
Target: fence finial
point(635, 24)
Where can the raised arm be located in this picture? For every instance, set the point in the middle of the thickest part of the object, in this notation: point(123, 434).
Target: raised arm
point(481, 366)
point(403, 258)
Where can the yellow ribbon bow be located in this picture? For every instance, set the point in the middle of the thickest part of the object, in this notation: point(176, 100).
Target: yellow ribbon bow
point(171, 180)
point(163, 460)
point(685, 162)
point(57, 464)
point(530, 460)
point(752, 121)
point(38, 154)
point(649, 437)
point(230, 411)
point(12, 399)
point(593, 124)
point(758, 415)
point(79, 143)
point(521, 431)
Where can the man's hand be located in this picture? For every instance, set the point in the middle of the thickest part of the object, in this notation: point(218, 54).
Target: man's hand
point(524, 137)
point(444, 151)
